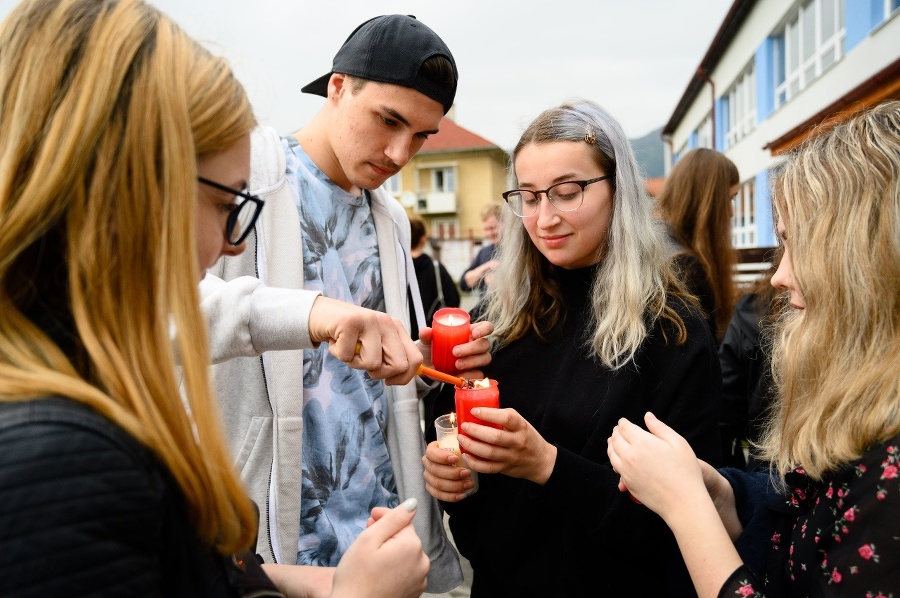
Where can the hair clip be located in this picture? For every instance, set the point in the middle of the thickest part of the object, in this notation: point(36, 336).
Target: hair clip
point(589, 135)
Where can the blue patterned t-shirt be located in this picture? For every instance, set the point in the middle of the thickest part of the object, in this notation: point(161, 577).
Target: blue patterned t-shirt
point(346, 466)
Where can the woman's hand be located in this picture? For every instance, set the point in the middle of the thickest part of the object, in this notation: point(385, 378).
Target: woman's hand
point(386, 560)
point(446, 478)
point(658, 467)
point(518, 450)
point(301, 581)
point(470, 356)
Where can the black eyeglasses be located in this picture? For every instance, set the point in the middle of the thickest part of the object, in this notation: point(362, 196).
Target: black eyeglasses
point(565, 197)
point(241, 220)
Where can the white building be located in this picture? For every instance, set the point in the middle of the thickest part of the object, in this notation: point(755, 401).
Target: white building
point(775, 70)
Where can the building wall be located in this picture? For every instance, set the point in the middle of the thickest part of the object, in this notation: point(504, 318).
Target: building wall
point(870, 44)
point(480, 177)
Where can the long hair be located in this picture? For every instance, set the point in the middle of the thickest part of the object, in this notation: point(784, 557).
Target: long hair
point(105, 107)
point(696, 203)
point(630, 288)
point(835, 363)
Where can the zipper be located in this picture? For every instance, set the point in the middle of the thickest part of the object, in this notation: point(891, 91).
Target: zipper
point(271, 407)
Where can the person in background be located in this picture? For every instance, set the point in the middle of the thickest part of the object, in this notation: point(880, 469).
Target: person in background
point(828, 522)
point(592, 324)
point(436, 286)
point(479, 273)
point(126, 145)
point(746, 370)
point(696, 204)
point(322, 410)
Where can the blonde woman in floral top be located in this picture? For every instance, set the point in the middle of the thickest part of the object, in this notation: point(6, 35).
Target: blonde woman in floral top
point(830, 524)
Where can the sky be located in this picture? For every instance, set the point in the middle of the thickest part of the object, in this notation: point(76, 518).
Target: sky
point(515, 57)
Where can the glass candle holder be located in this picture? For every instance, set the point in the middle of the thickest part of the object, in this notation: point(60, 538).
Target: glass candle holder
point(450, 327)
point(447, 438)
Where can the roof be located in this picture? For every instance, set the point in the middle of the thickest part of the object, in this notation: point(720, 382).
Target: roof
point(454, 137)
point(654, 186)
point(729, 28)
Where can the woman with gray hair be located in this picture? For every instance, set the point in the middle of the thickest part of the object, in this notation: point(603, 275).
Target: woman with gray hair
point(591, 325)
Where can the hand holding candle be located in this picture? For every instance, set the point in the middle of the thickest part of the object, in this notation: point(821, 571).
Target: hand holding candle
point(447, 433)
point(450, 328)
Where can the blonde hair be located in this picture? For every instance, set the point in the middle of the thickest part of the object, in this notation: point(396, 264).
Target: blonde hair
point(492, 209)
point(835, 363)
point(105, 107)
point(631, 286)
point(696, 202)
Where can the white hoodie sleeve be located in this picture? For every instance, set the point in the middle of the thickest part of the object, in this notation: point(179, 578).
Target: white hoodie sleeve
point(247, 318)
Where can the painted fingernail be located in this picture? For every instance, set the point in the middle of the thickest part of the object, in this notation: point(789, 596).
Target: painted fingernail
point(410, 504)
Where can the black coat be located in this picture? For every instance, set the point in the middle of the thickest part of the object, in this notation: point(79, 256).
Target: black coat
point(85, 510)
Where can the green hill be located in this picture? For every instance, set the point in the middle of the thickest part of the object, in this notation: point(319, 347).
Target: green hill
point(649, 153)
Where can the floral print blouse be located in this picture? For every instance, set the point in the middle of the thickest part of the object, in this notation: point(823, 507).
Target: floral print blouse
point(839, 536)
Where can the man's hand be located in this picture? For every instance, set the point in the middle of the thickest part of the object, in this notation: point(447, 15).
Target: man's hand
point(385, 350)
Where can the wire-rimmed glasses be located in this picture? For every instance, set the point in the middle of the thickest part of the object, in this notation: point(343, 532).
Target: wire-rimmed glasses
point(240, 220)
point(565, 197)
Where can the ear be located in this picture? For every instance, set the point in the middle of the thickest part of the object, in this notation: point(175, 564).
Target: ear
point(337, 85)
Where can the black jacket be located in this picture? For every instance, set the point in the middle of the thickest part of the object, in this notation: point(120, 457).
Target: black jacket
point(86, 510)
point(746, 378)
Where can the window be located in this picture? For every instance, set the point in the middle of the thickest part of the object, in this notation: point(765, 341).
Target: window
point(811, 41)
point(743, 219)
point(443, 179)
point(740, 108)
point(444, 228)
point(704, 133)
point(890, 6)
point(394, 185)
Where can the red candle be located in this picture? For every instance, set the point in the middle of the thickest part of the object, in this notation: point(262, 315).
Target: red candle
point(449, 328)
point(469, 398)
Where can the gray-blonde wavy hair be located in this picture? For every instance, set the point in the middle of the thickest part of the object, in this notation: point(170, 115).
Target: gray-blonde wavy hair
point(630, 288)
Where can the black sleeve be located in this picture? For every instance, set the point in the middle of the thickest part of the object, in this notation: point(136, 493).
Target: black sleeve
point(734, 355)
point(80, 514)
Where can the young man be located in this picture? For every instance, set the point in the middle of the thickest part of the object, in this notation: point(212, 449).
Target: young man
point(319, 440)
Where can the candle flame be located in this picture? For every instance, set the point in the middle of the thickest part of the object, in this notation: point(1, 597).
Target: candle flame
point(483, 383)
point(451, 321)
point(452, 420)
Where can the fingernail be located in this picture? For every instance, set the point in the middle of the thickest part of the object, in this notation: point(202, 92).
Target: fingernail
point(410, 504)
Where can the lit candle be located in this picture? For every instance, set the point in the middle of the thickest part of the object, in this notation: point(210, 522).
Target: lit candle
point(447, 439)
point(449, 328)
point(485, 393)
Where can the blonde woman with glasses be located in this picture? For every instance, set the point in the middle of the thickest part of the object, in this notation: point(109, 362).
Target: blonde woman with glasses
point(827, 520)
point(124, 152)
point(591, 325)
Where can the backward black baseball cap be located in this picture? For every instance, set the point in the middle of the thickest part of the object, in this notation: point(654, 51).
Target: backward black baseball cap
point(391, 49)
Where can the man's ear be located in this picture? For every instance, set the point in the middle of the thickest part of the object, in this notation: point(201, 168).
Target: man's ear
point(337, 85)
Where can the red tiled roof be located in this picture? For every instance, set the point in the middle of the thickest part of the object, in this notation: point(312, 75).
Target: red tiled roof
point(453, 137)
point(654, 186)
